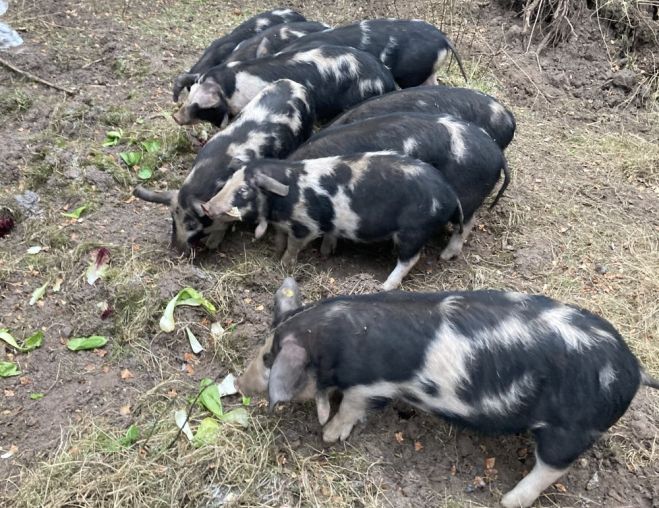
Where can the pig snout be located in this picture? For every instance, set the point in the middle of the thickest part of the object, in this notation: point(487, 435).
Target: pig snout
point(182, 116)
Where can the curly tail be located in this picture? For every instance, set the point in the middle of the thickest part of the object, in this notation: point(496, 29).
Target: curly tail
point(504, 186)
point(648, 380)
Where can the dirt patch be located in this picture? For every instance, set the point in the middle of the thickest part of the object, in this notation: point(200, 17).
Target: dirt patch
point(579, 223)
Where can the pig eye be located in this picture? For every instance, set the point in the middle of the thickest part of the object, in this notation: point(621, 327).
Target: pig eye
point(268, 360)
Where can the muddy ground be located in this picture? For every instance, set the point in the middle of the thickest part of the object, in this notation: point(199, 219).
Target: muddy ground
point(580, 222)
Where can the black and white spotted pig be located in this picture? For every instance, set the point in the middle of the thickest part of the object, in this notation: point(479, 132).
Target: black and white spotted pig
point(465, 154)
point(361, 197)
point(273, 40)
point(337, 78)
point(463, 103)
point(273, 124)
point(497, 362)
point(221, 48)
point(412, 49)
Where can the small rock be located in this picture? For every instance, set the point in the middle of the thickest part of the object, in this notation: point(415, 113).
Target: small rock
point(625, 79)
point(103, 181)
point(29, 202)
point(72, 173)
point(594, 482)
point(513, 33)
point(601, 269)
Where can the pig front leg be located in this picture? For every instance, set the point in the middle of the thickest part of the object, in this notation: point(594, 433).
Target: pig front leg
point(280, 243)
point(328, 246)
point(352, 409)
point(403, 267)
point(293, 248)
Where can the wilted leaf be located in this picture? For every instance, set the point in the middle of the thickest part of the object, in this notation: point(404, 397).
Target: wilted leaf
point(37, 396)
point(181, 417)
point(187, 296)
point(144, 173)
point(124, 410)
point(9, 392)
point(399, 437)
point(82, 343)
point(131, 158)
point(238, 415)
point(9, 369)
point(75, 214)
point(33, 341)
point(418, 446)
point(151, 146)
point(36, 249)
point(38, 293)
point(58, 285)
point(490, 462)
point(126, 374)
point(112, 138)
point(98, 266)
point(206, 432)
point(210, 397)
point(194, 343)
point(8, 338)
point(227, 386)
point(560, 487)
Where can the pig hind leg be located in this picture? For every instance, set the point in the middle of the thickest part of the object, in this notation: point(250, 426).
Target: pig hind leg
point(352, 409)
point(409, 243)
point(457, 240)
point(557, 448)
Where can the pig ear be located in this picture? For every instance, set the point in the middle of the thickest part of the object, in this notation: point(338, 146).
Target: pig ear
point(288, 374)
point(263, 48)
point(287, 298)
point(206, 94)
point(199, 208)
point(271, 185)
point(237, 163)
point(182, 81)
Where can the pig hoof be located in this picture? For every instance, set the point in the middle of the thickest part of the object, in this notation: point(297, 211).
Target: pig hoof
point(513, 500)
point(388, 286)
point(448, 254)
point(336, 430)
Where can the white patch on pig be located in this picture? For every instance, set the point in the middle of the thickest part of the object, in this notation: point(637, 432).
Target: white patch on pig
point(449, 305)
point(337, 67)
point(456, 132)
point(457, 240)
point(252, 146)
point(255, 112)
point(365, 35)
point(286, 33)
point(233, 64)
point(367, 86)
point(498, 113)
point(203, 95)
point(223, 200)
point(607, 375)
point(435, 206)
point(248, 86)
point(421, 103)
point(262, 24)
point(445, 364)
point(346, 221)
point(441, 56)
point(409, 146)
point(398, 274)
point(509, 401)
point(517, 297)
point(388, 49)
point(558, 321)
point(510, 331)
point(284, 13)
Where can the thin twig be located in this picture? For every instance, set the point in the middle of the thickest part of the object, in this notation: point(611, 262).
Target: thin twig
point(31, 76)
point(87, 65)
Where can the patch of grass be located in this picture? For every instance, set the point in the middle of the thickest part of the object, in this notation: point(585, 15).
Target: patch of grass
point(118, 116)
point(15, 101)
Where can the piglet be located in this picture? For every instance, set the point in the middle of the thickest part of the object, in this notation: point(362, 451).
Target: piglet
point(494, 361)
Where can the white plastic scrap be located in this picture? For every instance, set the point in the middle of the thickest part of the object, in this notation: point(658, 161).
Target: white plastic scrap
point(9, 38)
point(227, 386)
point(180, 417)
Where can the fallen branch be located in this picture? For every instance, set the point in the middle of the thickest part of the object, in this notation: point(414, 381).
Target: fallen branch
point(31, 76)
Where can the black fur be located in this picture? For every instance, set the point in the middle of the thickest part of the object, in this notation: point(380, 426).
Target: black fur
point(366, 339)
point(463, 103)
point(412, 58)
point(331, 95)
point(472, 176)
point(221, 48)
point(274, 39)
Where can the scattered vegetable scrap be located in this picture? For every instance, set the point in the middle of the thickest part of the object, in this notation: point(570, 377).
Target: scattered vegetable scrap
point(187, 296)
point(83, 343)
